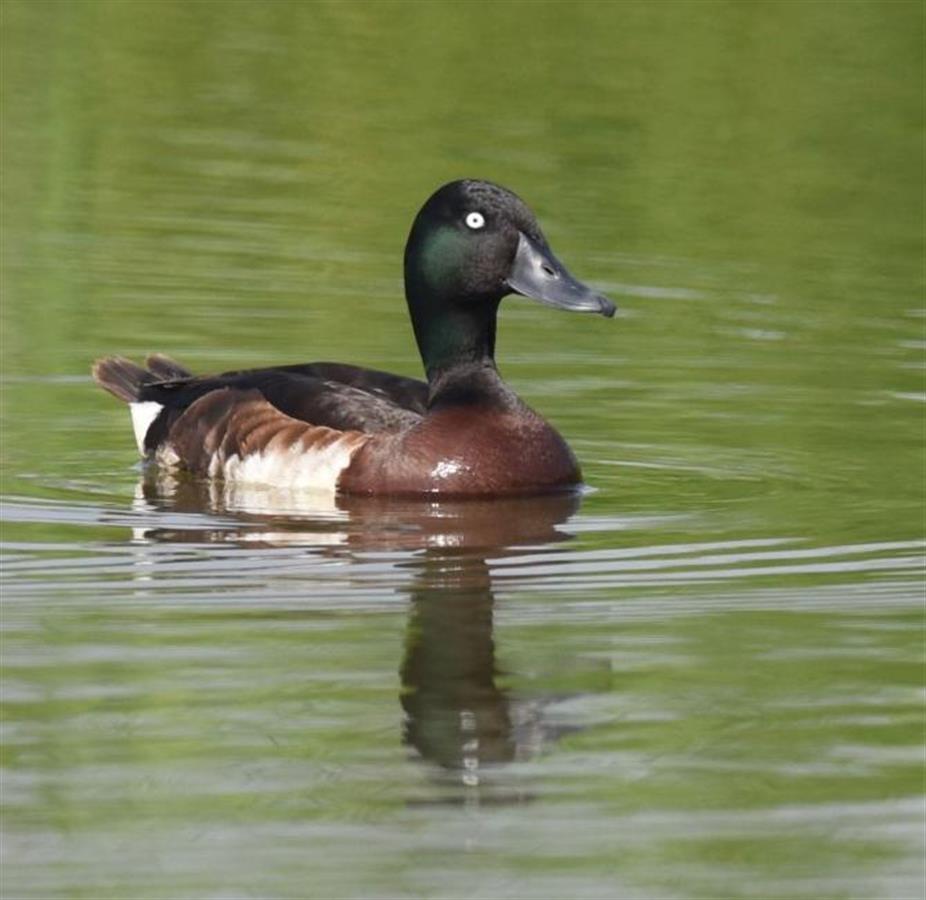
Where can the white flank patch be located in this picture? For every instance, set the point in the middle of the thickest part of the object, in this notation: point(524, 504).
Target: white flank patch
point(295, 467)
point(143, 414)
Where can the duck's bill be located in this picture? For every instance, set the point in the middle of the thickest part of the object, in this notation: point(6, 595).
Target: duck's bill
point(538, 274)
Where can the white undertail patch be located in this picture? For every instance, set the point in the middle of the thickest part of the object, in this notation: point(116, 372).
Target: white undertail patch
point(143, 414)
point(299, 467)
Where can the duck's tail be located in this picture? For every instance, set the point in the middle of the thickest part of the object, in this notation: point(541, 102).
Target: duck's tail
point(125, 380)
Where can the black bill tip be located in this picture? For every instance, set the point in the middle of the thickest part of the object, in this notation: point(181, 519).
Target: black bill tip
point(606, 307)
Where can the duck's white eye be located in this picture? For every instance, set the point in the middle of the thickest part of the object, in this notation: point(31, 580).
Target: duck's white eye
point(475, 220)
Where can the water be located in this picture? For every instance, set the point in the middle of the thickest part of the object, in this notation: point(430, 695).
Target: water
point(703, 678)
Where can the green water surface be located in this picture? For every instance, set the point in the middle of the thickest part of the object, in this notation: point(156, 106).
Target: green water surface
point(703, 678)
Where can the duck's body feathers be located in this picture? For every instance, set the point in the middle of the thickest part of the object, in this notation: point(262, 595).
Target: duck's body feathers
point(292, 427)
point(240, 436)
point(347, 398)
point(207, 421)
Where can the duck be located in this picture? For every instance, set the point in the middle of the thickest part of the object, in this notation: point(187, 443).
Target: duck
point(335, 427)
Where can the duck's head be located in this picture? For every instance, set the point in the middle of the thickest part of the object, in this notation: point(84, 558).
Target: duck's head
point(472, 243)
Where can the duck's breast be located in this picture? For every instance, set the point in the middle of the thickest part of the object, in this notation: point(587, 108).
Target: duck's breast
point(464, 451)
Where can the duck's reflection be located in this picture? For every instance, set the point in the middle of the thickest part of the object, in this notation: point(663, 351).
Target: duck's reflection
point(279, 517)
point(456, 713)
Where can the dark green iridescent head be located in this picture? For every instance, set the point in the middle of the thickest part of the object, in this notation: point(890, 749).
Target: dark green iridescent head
point(472, 243)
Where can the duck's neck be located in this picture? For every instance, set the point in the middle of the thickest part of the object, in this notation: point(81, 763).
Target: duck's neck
point(450, 336)
point(475, 383)
point(458, 351)
point(457, 346)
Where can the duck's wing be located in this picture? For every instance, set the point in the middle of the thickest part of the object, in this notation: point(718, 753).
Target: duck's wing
point(327, 395)
point(407, 393)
